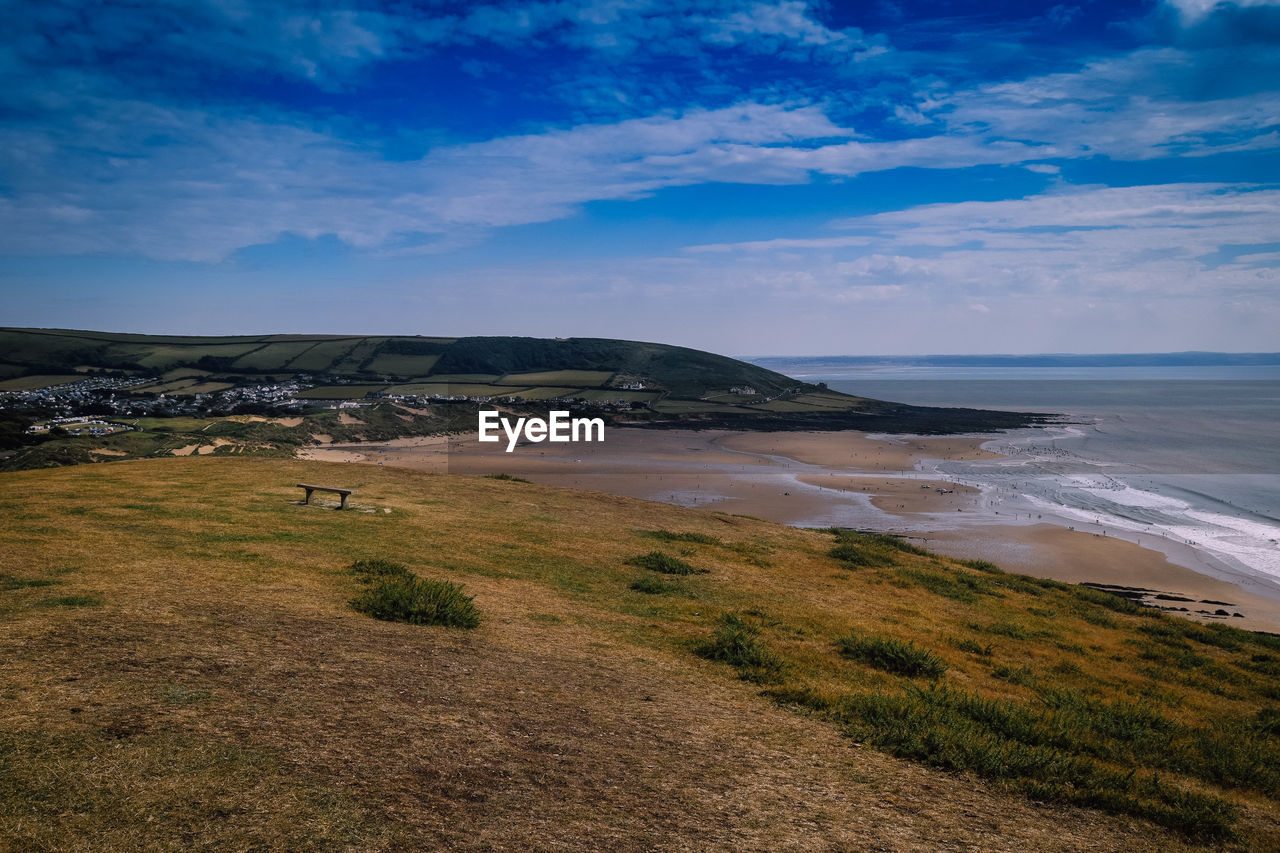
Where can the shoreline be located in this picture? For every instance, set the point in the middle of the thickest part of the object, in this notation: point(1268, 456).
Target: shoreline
point(852, 479)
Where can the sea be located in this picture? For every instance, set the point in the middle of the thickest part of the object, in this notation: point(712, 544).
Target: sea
point(1185, 454)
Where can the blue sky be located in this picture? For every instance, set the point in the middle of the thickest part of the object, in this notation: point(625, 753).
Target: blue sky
point(748, 177)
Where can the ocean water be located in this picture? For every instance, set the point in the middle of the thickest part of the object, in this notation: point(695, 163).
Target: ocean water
point(1189, 454)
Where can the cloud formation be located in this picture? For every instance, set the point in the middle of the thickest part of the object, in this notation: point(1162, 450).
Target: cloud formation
point(193, 131)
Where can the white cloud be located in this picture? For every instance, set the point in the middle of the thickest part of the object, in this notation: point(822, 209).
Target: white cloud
point(1154, 242)
point(781, 243)
point(1192, 11)
point(1133, 108)
point(214, 184)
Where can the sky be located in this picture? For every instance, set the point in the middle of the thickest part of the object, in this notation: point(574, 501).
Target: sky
point(752, 178)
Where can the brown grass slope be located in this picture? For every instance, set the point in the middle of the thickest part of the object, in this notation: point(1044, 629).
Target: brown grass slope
point(183, 671)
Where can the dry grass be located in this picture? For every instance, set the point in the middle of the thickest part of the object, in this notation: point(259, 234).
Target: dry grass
point(223, 695)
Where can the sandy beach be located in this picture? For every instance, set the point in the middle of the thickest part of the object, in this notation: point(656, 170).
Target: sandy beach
point(843, 479)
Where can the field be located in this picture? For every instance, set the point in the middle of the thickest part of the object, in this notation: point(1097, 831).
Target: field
point(396, 364)
point(271, 356)
point(545, 393)
point(340, 392)
point(559, 378)
point(478, 378)
point(455, 389)
point(683, 407)
point(610, 394)
point(318, 357)
point(183, 671)
point(351, 361)
point(27, 383)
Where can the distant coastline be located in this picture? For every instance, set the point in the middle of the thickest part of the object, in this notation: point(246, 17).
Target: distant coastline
point(1168, 359)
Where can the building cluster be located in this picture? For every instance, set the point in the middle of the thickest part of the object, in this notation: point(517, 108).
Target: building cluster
point(512, 400)
point(79, 425)
point(70, 399)
point(278, 395)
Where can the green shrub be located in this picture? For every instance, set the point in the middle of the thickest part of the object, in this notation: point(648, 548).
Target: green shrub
point(669, 536)
point(1036, 751)
point(371, 570)
point(860, 556)
point(888, 540)
point(972, 647)
point(892, 655)
point(507, 477)
point(418, 601)
point(982, 566)
point(949, 584)
point(1007, 629)
point(8, 582)
point(659, 562)
point(1022, 675)
point(651, 585)
point(870, 550)
point(1094, 616)
point(737, 642)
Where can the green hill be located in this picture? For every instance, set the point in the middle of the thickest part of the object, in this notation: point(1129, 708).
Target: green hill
point(189, 665)
point(678, 371)
point(166, 394)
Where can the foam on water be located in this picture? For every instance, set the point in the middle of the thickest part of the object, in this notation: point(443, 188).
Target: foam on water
point(1189, 462)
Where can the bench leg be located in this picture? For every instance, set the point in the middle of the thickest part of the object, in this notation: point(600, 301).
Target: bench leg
point(307, 499)
point(344, 502)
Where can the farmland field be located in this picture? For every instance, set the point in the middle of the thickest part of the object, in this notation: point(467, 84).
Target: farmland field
point(483, 378)
point(27, 383)
point(207, 388)
point(165, 356)
point(273, 356)
point(183, 373)
point(171, 424)
point(320, 355)
point(560, 378)
point(455, 389)
point(398, 364)
point(340, 392)
point(690, 406)
point(351, 362)
point(610, 394)
point(546, 393)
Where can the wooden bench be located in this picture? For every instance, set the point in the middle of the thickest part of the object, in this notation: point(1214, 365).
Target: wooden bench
point(310, 488)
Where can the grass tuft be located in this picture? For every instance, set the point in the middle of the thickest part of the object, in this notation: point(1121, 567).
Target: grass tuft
point(651, 585)
point(892, 655)
point(371, 570)
point(973, 648)
point(669, 536)
point(737, 642)
point(657, 561)
point(8, 582)
point(418, 601)
point(508, 477)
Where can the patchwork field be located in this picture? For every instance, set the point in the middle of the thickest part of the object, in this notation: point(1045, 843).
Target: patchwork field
point(26, 383)
point(559, 378)
point(184, 670)
point(340, 392)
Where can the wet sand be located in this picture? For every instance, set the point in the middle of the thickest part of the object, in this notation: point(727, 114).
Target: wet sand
point(1074, 556)
point(835, 479)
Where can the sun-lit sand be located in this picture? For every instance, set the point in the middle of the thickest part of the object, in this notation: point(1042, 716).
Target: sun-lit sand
point(833, 478)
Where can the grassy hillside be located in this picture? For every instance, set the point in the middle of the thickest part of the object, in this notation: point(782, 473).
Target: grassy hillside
point(184, 670)
point(573, 363)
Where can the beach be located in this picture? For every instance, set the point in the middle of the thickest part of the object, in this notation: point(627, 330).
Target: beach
point(850, 479)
